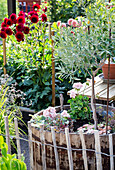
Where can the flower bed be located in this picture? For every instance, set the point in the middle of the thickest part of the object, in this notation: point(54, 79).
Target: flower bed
point(75, 143)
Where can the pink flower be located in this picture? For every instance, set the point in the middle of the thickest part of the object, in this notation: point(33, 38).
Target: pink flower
point(50, 112)
point(70, 21)
point(84, 28)
point(65, 114)
point(77, 86)
point(73, 32)
point(58, 23)
point(63, 25)
point(74, 23)
point(72, 94)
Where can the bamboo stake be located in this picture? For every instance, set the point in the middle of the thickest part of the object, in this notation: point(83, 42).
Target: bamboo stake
point(43, 146)
point(7, 134)
point(30, 145)
point(69, 148)
point(17, 138)
point(55, 149)
point(111, 152)
point(84, 149)
point(4, 55)
point(53, 73)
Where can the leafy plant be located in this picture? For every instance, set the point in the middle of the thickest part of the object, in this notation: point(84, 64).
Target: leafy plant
point(7, 161)
point(79, 108)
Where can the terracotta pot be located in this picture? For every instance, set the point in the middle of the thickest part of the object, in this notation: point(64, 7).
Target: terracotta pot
point(112, 71)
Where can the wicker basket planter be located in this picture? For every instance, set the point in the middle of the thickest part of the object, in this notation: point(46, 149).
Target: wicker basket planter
point(63, 154)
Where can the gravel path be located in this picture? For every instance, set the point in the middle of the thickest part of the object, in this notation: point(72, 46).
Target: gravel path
point(25, 151)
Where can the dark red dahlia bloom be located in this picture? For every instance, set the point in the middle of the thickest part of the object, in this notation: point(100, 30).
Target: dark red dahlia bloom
point(9, 22)
point(19, 36)
point(34, 19)
point(3, 29)
point(36, 7)
point(21, 13)
point(5, 20)
point(21, 19)
point(8, 31)
point(45, 9)
point(3, 25)
point(13, 18)
point(26, 30)
point(3, 34)
point(19, 27)
point(31, 13)
point(44, 17)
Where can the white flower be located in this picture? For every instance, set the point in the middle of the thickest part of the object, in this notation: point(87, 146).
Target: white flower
point(65, 114)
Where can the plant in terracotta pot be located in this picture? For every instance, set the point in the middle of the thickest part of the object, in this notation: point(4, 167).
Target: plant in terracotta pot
point(86, 43)
point(112, 69)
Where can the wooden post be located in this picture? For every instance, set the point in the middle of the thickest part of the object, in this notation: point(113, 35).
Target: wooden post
point(17, 138)
point(84, 149)
point(69, 148)
point(7, 134)
point(43, 146)
point(98, 149)
point(11, 7)
point(55, 148)
point(111, 152)
point(4, 54)
point(53, 73)
point(30, 145)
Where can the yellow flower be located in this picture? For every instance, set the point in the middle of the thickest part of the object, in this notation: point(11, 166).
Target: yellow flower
point(109, 22)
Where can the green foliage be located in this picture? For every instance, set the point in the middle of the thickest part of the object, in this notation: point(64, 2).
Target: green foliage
point(7, 161)
point(79, 108)
point(76, 48)
point(65, 9)
point(3, 10)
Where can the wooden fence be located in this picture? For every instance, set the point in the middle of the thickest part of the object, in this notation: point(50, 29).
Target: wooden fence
point(69, 149)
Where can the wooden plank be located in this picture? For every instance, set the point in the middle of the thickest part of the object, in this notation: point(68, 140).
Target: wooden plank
point(55, 149)
point(30, 145)
point(84, 149)
point(69, 148)
point(7, 134)
point(98, 149)
point(43, 146)
point(17, 138)
point(111, 152)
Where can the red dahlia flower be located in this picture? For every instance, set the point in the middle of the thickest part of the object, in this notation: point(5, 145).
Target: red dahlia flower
point(8, 31)
point(3, 29)
point(26, 30)
point(30, 13)
point(36, 7)
point(9, 22)
point(21, 19)
point(3, 34)
point(13, 18)
point(19, 36)
point(5, 20)
point(34, 18)
point(3, 25)
point(19, 27)
point(44, 9)
point(21, 13)
point(44, 17)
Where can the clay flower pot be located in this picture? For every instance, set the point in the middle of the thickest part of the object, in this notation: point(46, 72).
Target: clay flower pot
point(112, 71)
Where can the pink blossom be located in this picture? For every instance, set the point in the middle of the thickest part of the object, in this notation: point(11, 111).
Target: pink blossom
point(74, 23)
point(50, 112)
point(72, 94)
point(73, 32)
point(65, 114)
point(58, 23)
point(77, 85)
point(63, 25)
point(70, 21)
point(84, 28)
